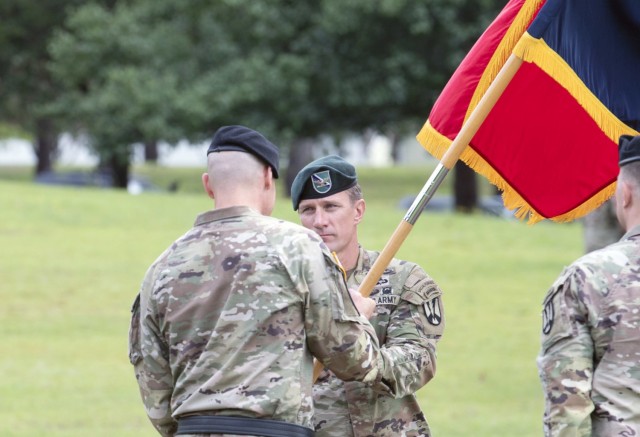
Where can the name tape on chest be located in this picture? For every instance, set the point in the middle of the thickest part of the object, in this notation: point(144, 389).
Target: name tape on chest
point(383, 299)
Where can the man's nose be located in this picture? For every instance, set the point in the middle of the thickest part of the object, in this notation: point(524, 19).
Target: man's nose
point(319, 219)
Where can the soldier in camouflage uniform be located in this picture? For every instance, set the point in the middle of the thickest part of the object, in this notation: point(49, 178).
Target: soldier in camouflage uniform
point(589, 363)
point(409, 318)
point(228, 318)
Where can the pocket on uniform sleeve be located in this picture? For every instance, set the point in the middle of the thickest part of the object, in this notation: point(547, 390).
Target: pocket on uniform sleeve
point(135, 351)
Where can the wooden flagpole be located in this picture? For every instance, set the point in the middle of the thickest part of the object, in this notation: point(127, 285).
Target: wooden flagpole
point(449, 159)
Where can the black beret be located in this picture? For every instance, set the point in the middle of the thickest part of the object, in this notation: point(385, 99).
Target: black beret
point(243, 139)
point(628, 149)
point(321, 178)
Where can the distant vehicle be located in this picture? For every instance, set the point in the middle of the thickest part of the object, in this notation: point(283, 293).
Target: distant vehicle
point(136, 185)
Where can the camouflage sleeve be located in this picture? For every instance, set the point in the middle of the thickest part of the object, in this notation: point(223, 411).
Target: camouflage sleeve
point(565, 362)
point(415, 327)
point(148, 354)
point(337, 335)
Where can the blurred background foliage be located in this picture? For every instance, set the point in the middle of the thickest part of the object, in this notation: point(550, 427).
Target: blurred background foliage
point(145, 71)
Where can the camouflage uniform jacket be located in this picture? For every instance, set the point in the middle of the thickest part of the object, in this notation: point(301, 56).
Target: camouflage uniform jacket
point(409, 321)
point(229, 317)
point(589, 362)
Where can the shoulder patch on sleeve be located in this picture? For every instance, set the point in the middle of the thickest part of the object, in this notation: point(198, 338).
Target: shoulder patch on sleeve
point(548, 314)
point(433, 311)
point(557, 323)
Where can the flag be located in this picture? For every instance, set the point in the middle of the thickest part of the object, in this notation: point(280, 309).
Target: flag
point(550, 141)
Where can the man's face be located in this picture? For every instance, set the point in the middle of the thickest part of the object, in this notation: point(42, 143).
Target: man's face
point(335, 218)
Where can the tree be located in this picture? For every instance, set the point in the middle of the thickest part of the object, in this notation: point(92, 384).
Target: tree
point(292, 69)
point(118, 89)
point(26, 85)
point(353, 65)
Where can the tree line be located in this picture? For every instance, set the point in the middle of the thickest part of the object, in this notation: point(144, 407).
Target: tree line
point(144, 71)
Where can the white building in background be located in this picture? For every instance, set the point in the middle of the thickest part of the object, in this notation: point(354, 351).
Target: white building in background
point(72, 152)
point(16, 152)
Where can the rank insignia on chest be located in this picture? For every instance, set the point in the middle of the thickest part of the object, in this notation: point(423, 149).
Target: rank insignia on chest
point(384, 280)
point(432, 311)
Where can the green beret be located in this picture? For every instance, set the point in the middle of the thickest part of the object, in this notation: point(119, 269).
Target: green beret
point(628, 149)
point(322, 178)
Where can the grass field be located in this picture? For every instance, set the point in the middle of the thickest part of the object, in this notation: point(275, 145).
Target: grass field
point(72, 260)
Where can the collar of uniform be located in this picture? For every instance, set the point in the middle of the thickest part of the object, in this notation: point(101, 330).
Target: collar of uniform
point(224, 213)
point(631, 233)
point(362, 265)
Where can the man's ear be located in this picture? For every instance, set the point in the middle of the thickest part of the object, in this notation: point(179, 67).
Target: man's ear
point(268, 177)
point(627, 193)
point(207, 187)
point(360, 207)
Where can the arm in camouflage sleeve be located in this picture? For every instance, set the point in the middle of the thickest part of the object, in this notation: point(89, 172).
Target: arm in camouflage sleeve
point(415, 327)
point(149, 355)
point(342, 339)
point(565, 363)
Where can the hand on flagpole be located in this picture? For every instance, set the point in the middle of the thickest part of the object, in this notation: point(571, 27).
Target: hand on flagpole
point(365, 305)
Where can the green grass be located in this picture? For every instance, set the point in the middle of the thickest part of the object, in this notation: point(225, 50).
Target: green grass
point(72, 261)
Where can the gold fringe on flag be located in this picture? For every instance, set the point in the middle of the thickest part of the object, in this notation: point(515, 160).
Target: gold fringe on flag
point(511, 37)
point(536, 51)
point(529, 49)
point(437, 144)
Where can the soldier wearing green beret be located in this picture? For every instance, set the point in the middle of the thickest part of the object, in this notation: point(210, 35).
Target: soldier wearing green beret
point(589, 360)
point(228, 319)
point(409, 317)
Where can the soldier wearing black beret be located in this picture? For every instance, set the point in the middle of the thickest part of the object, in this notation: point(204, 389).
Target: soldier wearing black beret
point(409, 316)
point(629, 149)
point(590, 340)
point(229, 317)
point(243, 139)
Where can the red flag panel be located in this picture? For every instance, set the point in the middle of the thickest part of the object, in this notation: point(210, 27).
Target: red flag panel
point(550, 141)
point(541, 146)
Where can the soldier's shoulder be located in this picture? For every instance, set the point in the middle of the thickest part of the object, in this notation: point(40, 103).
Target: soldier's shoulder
point(595, 271)
point(289, 234)
point(282, 224)
point(613, 257)
point(396, 265)
point(409, 274)
point(411, 271)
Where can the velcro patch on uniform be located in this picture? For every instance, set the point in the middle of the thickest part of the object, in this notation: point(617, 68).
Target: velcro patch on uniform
point(548, 315)
point(386, 299)
point(385, 296)
point(432, 311)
